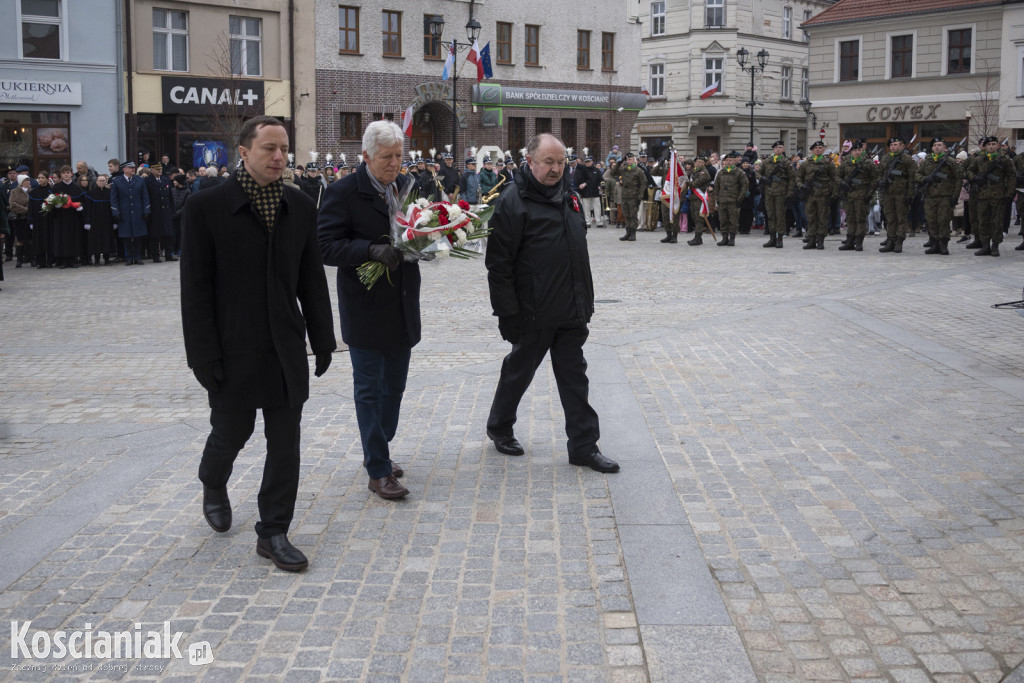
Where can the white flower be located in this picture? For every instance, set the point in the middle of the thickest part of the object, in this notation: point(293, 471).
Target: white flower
point(422, 203)
point(435, 235)
point(454, 212)
point(425, 217)
point(460, 237)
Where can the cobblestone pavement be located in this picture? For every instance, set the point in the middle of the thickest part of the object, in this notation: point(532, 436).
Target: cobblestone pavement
point(822, 480)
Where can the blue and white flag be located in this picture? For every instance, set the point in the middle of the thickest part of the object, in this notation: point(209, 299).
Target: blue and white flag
point(448, 63)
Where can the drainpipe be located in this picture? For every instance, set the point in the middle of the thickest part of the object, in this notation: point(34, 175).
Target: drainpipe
point(291, 74)
point(132, 124)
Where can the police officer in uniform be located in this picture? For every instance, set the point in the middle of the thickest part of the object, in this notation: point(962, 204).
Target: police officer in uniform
point(700, 179)
point(993, 181)
point(778, 180)
point(858, 176)
point(896, 184)
point(817, 180)
point(730, 188)
point(939, 180)
point(634, 187)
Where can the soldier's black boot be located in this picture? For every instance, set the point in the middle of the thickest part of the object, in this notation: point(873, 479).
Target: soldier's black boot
point(932, 242)
point(944, 247)
point(667, 239)
point(935, 247)
point(975, 244)
point(820, 243)
point(898, 249)
point(732, 239)
point(696, 241)
point(724, 242)
point(995, 249)
point(1019, 247)
point(859, 244)
point(888, 245)
point(773, 241)
point(849, 244)
point(811, 242)
point(625, 238)
point(985, 250)
point(778, 242)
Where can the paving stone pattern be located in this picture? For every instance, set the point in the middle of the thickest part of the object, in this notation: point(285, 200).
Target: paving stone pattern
point(842, 430)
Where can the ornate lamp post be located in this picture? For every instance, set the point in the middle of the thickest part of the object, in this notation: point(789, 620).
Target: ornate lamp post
point(743, 56)
point(436, 25)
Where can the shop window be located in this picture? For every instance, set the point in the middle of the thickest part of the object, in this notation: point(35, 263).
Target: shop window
point(246, 52)
point(503, 38)
point(39, 140)
point(582, 49)
point(170, 40)
point(41, 26)
point(348, 29)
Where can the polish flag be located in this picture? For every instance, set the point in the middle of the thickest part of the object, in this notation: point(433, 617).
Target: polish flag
point(407, 121)
point(709, 91)
point(474, 56)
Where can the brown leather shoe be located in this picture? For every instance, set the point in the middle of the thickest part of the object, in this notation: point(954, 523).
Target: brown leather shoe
point(388, 488)
point(396, 470)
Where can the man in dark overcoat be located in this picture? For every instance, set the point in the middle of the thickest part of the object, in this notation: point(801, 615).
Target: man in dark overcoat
point(380, 324)
point(542, 291)
point(129, 203)
point(161, 214)
point(249, 261)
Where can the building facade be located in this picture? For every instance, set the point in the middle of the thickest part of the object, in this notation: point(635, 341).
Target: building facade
point(196, 69)
point(880, 70)
point(60, 84)
point(690, 47)
point(555, 69)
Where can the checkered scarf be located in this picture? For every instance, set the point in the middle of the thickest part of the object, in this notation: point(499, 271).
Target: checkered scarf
point(266, 200)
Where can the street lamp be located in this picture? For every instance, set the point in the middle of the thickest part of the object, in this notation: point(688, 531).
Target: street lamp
point(806, 104)
point(436, 26)
point(743, 56)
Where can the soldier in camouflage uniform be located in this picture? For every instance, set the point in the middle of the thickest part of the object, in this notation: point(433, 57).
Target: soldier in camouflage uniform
point(993, 181)
point(778, 180)
point(1018, 165)
point(896, 183)
point(939, 179)
point(857, 178)
point(634, 187)
point(730, 188)
point(700, 179)
point(817, 180)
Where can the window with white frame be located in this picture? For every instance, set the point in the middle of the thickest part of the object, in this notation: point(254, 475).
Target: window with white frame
point(657, 86)
point(714, 13)
point(805, 84)
point(658, 18)
point(787, 22)
point(787, 82)
point(1020, 75)
point(807, 17)
point(714, 72)
point(41, 29)
point(246, 46)
point(170, 40)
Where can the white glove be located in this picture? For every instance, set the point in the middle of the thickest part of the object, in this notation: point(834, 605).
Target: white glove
point(88, 226)
point(31, 227)
point(79, 208)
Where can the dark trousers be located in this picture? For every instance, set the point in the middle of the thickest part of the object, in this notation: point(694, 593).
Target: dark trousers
point(378, 382)
point(570, 368)
point(231, 429)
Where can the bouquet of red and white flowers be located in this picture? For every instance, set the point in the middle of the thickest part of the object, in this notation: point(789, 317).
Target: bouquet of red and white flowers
point(58, 201)
point(425, 230)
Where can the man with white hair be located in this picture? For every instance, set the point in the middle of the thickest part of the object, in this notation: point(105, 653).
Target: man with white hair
point(380, 324)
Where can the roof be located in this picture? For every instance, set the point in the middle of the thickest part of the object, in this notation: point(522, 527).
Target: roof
point(855, 10)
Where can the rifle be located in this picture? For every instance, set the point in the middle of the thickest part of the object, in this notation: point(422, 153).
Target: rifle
point(929, 179)
point(803, 190)
point(843, 191)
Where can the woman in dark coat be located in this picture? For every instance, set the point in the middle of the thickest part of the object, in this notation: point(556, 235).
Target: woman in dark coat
point(179, 193)
point(747, 205)
point(67, 222)
point(99, 223)
point(161, 217)
point(41, 224)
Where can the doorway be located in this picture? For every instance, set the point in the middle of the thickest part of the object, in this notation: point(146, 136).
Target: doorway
point(706, 144)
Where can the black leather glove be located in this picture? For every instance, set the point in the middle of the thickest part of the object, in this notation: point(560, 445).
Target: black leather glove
point(510, 328)
point(210, 375)
point(845, 186)
point(390, 256)
point(323, 361)
point(882, 184)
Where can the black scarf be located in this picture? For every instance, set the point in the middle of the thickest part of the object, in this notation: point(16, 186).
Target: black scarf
point(552, 193)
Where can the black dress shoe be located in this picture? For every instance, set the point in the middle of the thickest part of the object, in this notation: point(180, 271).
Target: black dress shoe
point(595, 461)
point(396, 470)
point(217, 508)
point(388, 488)
point(506, 444)
point(279, 550)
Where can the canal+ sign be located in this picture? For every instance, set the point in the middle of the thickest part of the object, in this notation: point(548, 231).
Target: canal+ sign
point(210, 95)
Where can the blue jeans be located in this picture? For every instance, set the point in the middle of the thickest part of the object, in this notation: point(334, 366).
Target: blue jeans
point(800, 213)
point(378, 378)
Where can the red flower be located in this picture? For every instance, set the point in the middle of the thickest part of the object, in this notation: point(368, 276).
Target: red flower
point(442, 216)
point(464, 205)
point(73, 205)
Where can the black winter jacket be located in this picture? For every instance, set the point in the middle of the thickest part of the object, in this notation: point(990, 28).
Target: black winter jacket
point(538, 267)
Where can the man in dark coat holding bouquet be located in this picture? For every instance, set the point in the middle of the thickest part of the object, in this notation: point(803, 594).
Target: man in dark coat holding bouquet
point(380, 324)
point(249, 261)
point(538, 271)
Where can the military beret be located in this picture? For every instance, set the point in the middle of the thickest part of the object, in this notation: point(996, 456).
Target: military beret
point(778, 143)
point(817, 143)
point(989, 138)
point(895, 139)
point(934, 140)
point(630, 155)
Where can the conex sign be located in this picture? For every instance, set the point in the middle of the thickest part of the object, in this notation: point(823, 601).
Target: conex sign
point(206, 95)
point(917, 112)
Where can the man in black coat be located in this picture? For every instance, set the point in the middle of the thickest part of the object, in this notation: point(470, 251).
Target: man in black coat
point(538, 272)
point(449, 177)
point(249, 261)
point(588, 183)
point(161, 214)
point(380, 324)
